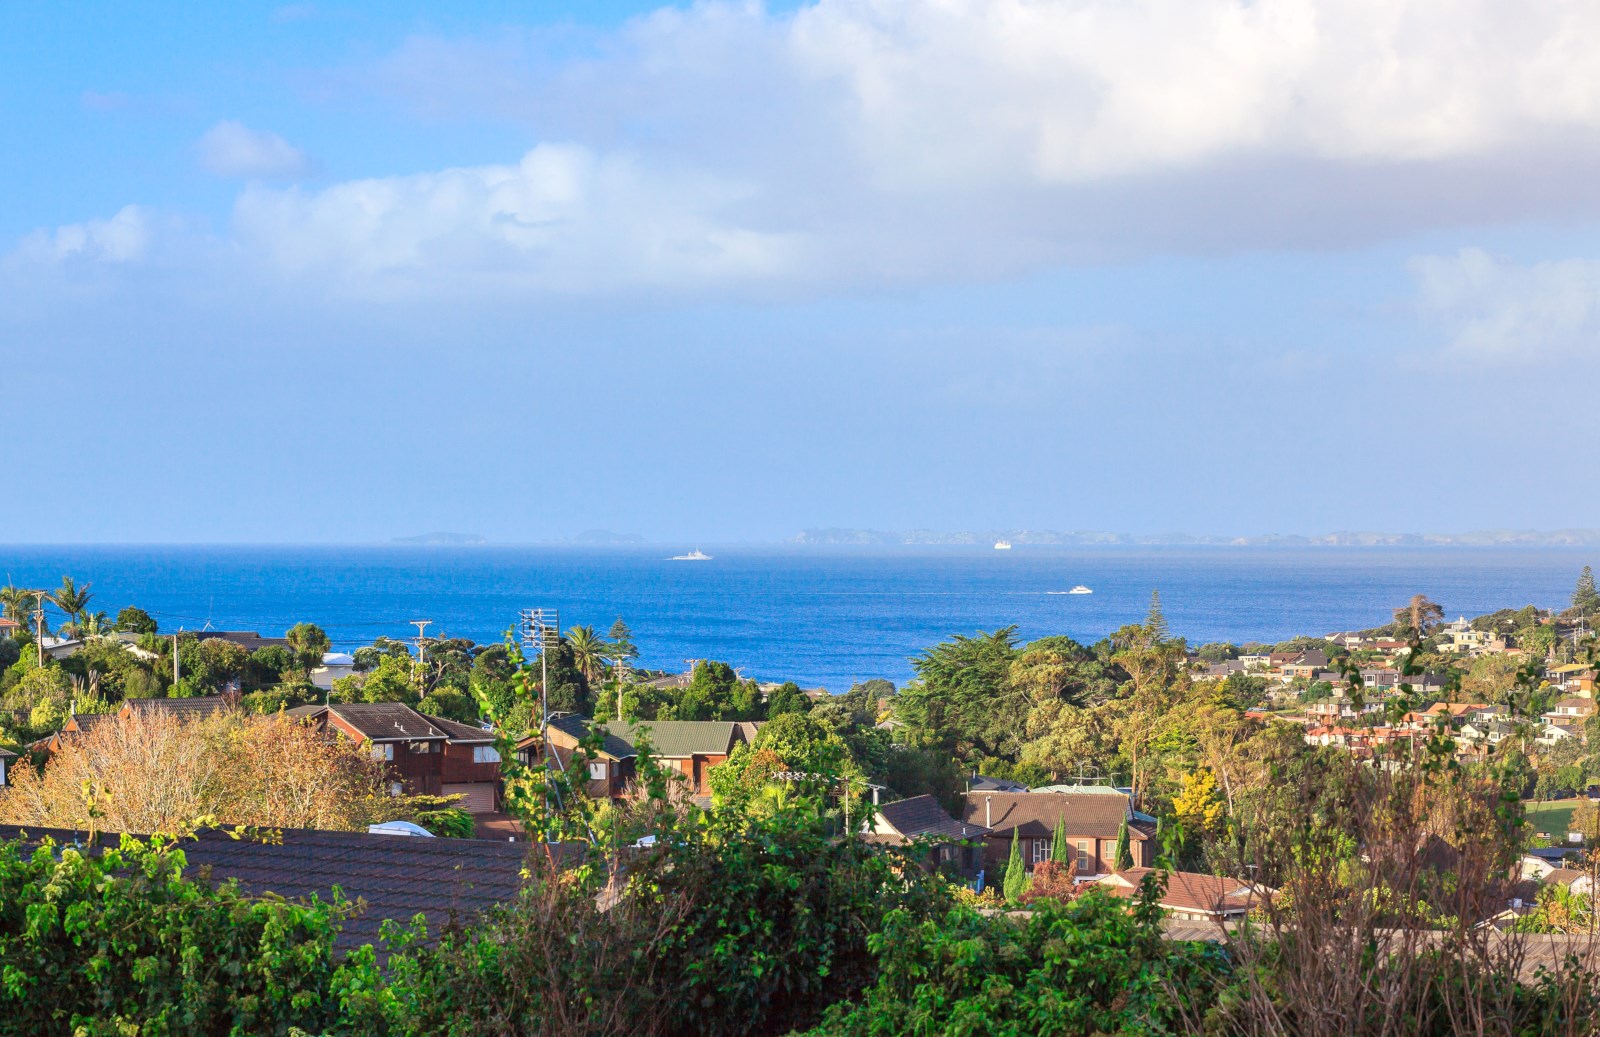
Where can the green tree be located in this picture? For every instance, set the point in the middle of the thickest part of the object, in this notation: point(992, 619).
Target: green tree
point(1584, 596)
point(1123, 858)
point(622, 646)
point(1155, 620)
point(136, 620)
point(1016, 872)
point(309, 643)
point(72, 599)
point(787, 698)
point(1058, 842)
point(588, 653)
point(16, 604)
point(964, 700)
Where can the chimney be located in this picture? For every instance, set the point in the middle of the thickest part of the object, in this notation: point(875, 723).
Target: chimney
point(988, 812)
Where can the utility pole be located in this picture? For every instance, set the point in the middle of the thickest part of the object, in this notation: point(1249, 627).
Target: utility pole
point(175, 673)
point(38, 624)
point(541, 630)
point(422, 654)
point(622, 675)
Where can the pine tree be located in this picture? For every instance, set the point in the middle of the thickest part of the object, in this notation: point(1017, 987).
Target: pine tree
point(1016, 872)
point(1058, 842)
point(1156, 621)
point(1584, 597)
point(1124, 854)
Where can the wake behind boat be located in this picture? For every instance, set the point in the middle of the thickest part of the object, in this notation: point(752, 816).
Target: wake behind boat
point(696, 555)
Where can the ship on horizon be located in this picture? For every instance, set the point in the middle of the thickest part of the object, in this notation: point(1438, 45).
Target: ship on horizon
point(696, 555)
point(1002, 545)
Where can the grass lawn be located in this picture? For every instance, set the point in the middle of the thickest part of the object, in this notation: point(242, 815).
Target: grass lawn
point(1552, 815)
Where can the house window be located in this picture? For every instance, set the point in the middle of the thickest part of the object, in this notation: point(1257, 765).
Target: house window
point(597, 771)
point(1086, 857)
point(485, 754)
point(383, 752)
point(1040, 851)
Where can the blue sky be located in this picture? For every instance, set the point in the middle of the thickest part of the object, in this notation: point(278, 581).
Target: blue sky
point(343, 272)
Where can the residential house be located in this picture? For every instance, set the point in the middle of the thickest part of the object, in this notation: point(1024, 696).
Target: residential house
point(1555, 734)
point(1571, 712)
point(1338, 707)
point(1256, 663)
point(1460, 638)
point(6, 756)
point(9, 627)
point(1304, 665)
point(1572, 678)
point(249, 640)
point(921, 820)
point(1540, 862)
point(335, 665)
point(1579, 882)
point(1491, 732)
point(77, 725)
point(1192, 896)
point(691, 748)
point(1093, 817)
point(424, 755)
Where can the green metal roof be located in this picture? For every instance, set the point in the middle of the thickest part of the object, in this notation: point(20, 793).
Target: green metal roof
point(678, 737)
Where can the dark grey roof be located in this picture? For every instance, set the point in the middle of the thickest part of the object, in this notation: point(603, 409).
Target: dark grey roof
point(386, 721)
point(7, 754)
point(1033, 815)
point(575, 726)
point(399, 877)
point(923, 816)
point(184, 709)
point(983, 783)
point(459, 733)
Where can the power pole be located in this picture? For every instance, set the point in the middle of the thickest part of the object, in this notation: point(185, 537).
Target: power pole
point(38, 624)
point(422, 654)
point(175, 673)
point(622, 675)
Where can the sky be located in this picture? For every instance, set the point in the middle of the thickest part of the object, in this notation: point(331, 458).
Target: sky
point(341, 272)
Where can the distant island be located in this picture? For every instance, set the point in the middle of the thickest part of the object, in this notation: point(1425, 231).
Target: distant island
point(442, 540)
point(1049, 537)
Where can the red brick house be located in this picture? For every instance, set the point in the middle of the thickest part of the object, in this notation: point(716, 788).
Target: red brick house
point(425, 755)
point(1093, 816)
point(1191, 896)
point(690, 748)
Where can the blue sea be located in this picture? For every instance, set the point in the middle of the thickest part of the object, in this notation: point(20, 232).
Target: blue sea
point(821, 616)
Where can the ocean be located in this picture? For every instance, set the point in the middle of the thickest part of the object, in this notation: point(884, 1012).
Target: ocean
point(824, 617)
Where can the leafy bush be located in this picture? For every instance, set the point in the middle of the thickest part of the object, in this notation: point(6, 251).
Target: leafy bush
point(1089, 967)
point(118, 943)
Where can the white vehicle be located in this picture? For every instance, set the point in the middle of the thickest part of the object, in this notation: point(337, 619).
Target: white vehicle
point(696, 555)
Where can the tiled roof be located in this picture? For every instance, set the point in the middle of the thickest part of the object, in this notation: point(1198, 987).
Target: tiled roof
point(983, 783)
point(1565, 876)
point(7, 754)
point(576, 726)
point(386, 721)
point(922, 815)
point(183, 709)
point(399, 877)
point(460, 734)
point(678, 737)
point(1188, 890)
point(1033, 815)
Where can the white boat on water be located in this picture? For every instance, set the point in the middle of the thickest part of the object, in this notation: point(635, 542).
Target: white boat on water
point(696, 555)
point(1002, 545)
point(1080, 589)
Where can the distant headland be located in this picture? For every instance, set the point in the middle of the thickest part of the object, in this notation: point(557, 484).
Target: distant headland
point(1049, 537)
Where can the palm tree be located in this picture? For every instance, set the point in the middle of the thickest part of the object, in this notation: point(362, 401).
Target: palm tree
point(16, 603)
point(72, 599)
point(1419, 617)
point(588, 652)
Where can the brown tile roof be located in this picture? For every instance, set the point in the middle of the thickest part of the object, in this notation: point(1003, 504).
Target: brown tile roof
point(1033, 815)
point(7, 754)
point(1564, 876)
point(1188, 890)
point(922, 815)
point(399, 877)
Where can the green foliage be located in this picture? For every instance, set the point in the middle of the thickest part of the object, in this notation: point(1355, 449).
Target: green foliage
point(1016, 880)
point(449, 822)
point(117, 942)
point(1585, 598)
point(787, 698)
point(964, 700)
point(1088, 967)
point(136, 620)
point(308, 642)
point(1123, 858)
point(1058, 842)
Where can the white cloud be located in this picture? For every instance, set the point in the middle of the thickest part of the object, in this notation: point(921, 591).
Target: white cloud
point(854, 145)
point(232, 149)
point(124, 238)
point(562, 220)
point(1497, 311)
